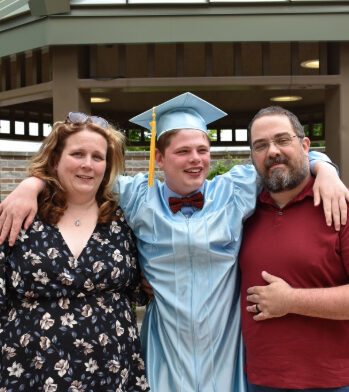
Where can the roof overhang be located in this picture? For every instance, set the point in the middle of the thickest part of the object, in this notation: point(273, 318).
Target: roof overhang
point(217, 22)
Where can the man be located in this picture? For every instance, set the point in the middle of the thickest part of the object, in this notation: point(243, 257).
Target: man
point(296, 333)
point(188, 252)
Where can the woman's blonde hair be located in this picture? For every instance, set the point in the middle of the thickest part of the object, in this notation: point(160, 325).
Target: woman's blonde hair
point(52, 200)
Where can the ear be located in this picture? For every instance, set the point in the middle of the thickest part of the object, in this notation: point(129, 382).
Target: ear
point(159, 158)
point(306, 144)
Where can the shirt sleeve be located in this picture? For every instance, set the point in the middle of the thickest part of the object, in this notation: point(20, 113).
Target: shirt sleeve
point(343, 248)
point(316, 156)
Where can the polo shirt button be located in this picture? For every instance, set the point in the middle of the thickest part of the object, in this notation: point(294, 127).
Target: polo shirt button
point(281, 213)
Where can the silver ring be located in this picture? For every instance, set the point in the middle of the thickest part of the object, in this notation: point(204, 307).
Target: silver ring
point(257, 308)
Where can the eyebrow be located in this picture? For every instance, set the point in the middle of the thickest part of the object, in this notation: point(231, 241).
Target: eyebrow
point(275, 136)
point(189, 146)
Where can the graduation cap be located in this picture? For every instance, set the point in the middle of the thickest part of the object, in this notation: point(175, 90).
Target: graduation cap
point(186, 111)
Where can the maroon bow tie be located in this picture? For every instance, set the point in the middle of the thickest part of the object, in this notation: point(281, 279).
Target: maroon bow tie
point(176, 203)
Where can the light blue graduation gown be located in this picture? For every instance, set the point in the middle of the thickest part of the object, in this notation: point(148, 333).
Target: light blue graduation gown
point(191, 333)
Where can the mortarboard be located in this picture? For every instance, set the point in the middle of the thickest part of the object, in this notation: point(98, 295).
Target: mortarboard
point(186, 111)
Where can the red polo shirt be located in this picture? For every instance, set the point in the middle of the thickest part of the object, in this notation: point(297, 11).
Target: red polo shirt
point(295, 244)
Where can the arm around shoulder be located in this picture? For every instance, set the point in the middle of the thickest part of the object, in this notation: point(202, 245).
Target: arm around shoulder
point(18, 207)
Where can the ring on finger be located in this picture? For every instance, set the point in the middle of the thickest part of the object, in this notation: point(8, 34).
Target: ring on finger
point(258, 308)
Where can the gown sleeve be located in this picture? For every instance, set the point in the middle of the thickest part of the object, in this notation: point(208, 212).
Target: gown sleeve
point(316, 156)
point(131, 191)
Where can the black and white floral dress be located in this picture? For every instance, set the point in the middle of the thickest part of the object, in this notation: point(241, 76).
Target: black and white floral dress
point(67, 323)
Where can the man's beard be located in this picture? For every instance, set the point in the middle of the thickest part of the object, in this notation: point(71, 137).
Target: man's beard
point(280, 180)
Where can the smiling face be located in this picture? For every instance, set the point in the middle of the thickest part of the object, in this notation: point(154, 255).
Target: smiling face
point(82, 164)
point(186, 161)
point(280, 168)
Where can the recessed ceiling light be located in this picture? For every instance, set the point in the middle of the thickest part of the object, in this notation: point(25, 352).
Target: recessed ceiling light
point(99, 99)
point(313, 64)
point(286, 98)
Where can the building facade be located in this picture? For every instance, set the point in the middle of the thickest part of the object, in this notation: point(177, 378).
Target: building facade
point(57, 56)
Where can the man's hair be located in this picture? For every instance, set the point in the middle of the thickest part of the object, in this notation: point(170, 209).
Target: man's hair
point(277, 111)
point(165, 140)
point(52, 201)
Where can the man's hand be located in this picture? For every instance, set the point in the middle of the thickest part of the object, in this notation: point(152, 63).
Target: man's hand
point(20, 205)
point(334, 194)
point(273, 300)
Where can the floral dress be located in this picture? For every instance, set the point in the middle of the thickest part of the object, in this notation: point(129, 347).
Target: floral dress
point(67, 323)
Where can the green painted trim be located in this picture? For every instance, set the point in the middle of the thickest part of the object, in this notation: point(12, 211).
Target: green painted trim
point(48, 7)
point(171, 29)
point(12, 8)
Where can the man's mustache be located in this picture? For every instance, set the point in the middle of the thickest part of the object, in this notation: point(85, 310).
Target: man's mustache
point(275, 160)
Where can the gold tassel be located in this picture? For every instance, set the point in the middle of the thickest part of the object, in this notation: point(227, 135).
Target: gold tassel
point(152, 150)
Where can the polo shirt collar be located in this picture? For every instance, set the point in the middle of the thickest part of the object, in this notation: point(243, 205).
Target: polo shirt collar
point(307, 191)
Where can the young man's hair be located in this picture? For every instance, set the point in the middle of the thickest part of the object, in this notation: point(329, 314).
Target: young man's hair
point(165, 139)
point(277, 111)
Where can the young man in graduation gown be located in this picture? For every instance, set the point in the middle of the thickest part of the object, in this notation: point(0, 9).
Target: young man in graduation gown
point(188, 233)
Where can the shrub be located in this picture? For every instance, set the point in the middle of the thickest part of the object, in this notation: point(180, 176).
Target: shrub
point(221, 167)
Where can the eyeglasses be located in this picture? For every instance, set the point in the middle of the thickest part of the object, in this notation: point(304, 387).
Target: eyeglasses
point(281, 141)
point(82, 118)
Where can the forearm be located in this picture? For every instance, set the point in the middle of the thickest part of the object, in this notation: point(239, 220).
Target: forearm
point(277, 298)
point(34, 184)
point(330, 303)
point(316, 167)
point(20, 205)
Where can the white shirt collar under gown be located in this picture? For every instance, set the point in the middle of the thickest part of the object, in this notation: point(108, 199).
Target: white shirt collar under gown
point(191, 333)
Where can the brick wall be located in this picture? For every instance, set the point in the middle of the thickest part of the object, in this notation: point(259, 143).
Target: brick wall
point(13, 165)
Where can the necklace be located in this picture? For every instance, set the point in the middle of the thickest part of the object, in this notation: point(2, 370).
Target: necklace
point(77, 221)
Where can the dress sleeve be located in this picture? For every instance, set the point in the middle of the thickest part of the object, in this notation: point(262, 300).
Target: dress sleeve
point(3, 290)
point(316, 156)
point(136, 294)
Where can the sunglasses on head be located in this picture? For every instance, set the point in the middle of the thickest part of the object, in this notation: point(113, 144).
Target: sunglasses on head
point(82, 118)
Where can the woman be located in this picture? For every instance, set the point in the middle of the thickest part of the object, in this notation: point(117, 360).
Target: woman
point(66, 319)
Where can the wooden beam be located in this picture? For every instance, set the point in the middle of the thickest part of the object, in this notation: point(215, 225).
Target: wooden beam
point(208, 59)
point(151, 60)
point(266, 58)
point(323, 58)
point(122, 69)
point(222, 82)
point(26, 94)
point(294, 58)
point(237, 59)
point(179, 60)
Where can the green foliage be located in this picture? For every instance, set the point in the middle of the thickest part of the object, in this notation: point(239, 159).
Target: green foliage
point(212, 134)
point(221, 167)
point(318, 129)
point(318, 144)
point(133, 148)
